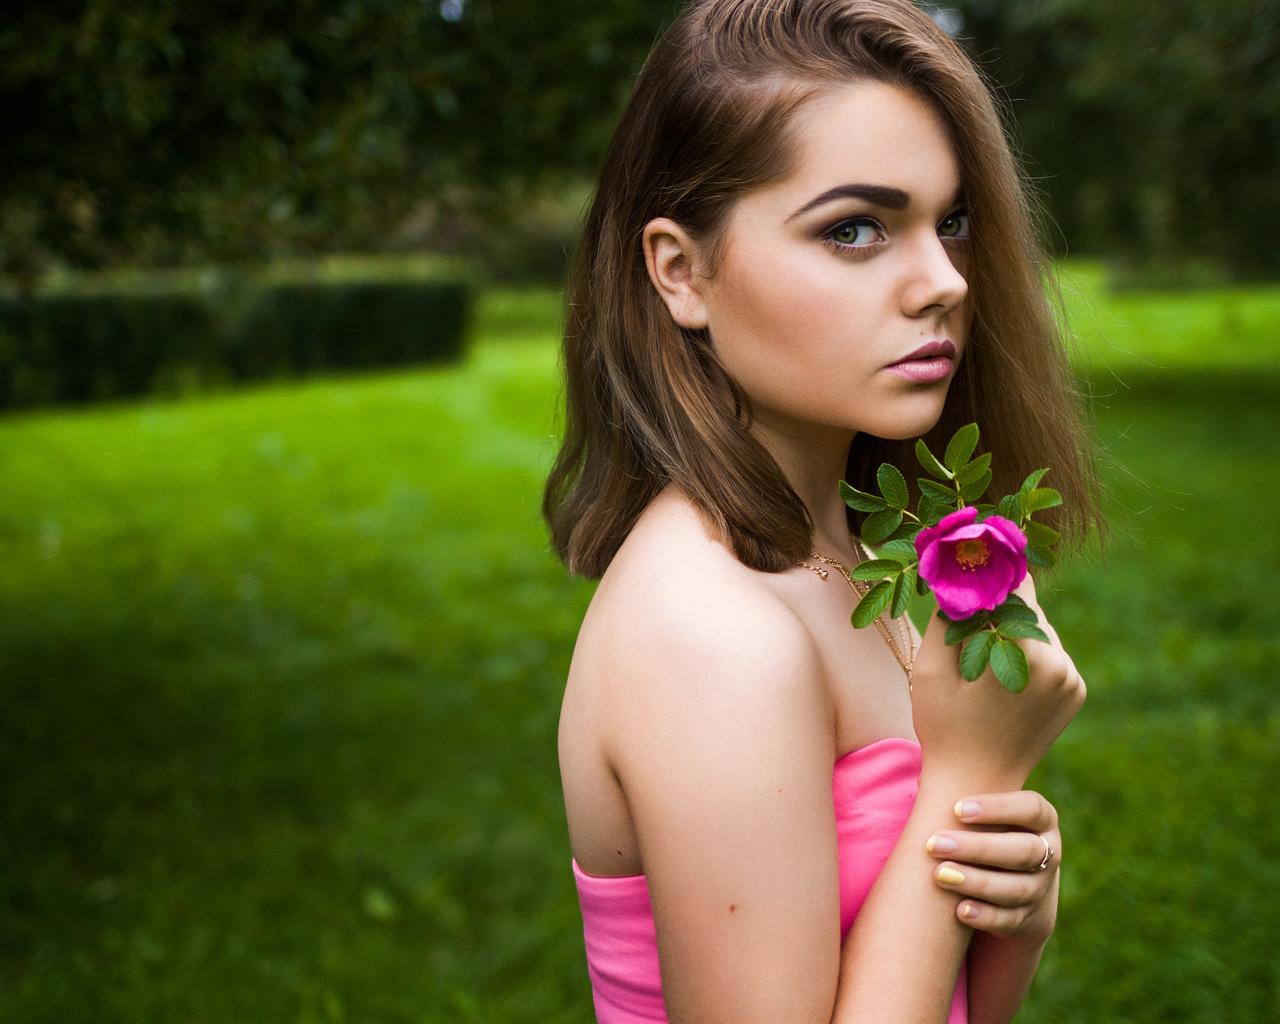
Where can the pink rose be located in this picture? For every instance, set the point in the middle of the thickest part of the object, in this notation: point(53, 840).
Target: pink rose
point(971, 565)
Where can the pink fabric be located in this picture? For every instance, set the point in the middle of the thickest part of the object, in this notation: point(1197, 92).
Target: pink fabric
point(874, 789)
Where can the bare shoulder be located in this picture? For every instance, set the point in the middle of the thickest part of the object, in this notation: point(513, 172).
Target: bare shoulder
point(696, 747)
point(685, 645)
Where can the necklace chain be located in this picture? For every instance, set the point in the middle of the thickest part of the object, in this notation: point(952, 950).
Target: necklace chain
point(905, 653)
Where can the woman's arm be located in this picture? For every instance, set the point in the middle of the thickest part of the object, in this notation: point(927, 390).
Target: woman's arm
point(721, 735)
point(723, 742)
point(902, 956)
point(1010, 885)
point(1014, 732)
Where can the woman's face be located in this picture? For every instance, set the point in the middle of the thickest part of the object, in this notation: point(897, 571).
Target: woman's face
point(839, 300)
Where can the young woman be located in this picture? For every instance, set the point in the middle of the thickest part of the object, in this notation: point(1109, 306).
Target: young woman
point(809, 245)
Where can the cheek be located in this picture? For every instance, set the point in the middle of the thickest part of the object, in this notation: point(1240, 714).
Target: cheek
point(780, 326)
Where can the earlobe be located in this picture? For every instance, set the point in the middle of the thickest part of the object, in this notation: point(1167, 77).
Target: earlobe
point(669, 255)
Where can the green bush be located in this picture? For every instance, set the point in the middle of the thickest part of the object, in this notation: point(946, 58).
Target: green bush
point(76, 347)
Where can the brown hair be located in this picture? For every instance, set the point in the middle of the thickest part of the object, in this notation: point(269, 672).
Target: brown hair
point(648, 402)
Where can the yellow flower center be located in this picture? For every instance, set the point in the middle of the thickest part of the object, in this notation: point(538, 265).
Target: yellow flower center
point(972, 553)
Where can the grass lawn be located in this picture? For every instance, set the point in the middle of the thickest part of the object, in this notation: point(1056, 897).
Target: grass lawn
point(280, 672)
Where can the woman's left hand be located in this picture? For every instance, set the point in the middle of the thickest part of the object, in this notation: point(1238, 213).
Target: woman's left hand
point(1008, 870)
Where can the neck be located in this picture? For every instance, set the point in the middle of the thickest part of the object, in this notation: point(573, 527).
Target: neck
point(814, 460)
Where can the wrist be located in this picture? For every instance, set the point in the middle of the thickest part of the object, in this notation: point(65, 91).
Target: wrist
point(940, 778)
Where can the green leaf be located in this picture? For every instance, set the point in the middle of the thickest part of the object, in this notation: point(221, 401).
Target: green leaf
point(880, 525)
point(1041, 536)
point(1010, 508)
point(861, 500)
point(901, 595)
point(1014, 613)
point(975, 489)
point(873, 602)
point(929, 463)
point(1040, 499)
point(1023, 631)
point(965, 628)
point(1010, 665)
point(984, 512)
point(937, 492)
point(975, 655)
point(931, 512)
point(903, 549)
point(922, 586)
point(893, 486)
point(1043, 557)
point(974, 469)
point(907, 531)
point(1033, 481)
point(961, 446)
point(875, 569)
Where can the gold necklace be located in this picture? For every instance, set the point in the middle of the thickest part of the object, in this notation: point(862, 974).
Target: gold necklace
point(906, 654)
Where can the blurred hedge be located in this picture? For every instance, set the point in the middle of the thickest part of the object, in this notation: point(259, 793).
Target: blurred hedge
point(103, 338)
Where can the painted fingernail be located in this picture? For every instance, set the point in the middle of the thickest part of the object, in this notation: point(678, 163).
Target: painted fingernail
point(968, 809)
point(941, 844)
point(968, 910)
point(949, 876)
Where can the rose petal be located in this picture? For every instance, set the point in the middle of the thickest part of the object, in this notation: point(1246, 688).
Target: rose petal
point(969, 532)
point(1009, 531)
point(993, 584)
point(963, 591)
point(926, 537)
point(960, 517)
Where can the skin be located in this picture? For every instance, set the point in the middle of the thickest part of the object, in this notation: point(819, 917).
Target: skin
point(707, 702)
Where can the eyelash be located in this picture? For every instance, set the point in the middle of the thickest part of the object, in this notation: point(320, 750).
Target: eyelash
point(850, 247)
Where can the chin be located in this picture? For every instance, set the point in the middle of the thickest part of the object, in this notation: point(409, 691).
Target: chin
point(909, 423)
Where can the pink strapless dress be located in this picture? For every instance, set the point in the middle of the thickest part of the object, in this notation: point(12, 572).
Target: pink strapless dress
point(874, 789)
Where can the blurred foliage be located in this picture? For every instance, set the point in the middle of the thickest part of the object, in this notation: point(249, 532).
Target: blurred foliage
point(157, 132)
point(87, 336)
point(160, 132)
point(1154, 125)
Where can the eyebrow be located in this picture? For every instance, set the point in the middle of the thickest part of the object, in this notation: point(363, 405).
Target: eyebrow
point(878, 195)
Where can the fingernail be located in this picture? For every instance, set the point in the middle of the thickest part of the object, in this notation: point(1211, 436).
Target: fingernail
point(968, 910)
point(968, 809)
point(941, 844)
point(949, 876)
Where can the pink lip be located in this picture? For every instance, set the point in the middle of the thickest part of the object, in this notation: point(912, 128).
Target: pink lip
point(928, 364)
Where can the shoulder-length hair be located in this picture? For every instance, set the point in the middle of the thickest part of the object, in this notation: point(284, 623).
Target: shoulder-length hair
point(648, 403)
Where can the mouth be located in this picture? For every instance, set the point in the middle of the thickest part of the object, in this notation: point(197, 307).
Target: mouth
point(928, 364)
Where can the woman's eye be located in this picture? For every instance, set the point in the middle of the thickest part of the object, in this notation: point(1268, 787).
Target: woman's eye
point(955, 226)
point(856, 232)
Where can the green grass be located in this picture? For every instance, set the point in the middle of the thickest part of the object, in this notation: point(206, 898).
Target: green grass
point(1139, 335)
point(280, 673)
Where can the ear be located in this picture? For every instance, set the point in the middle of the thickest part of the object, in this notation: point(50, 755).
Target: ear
point(670, 256)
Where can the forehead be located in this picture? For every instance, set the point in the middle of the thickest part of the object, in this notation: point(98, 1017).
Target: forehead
point(871, 133)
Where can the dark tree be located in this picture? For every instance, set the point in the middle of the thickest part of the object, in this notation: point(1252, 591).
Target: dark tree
point(162, 131)
point(1154, 125)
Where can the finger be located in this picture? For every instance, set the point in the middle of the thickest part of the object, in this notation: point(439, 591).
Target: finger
point(1006, 851)
point(997, 920)
point(1007, 889)
point(1023, 808)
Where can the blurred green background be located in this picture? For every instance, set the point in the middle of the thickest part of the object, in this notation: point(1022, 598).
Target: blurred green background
point(280, 661)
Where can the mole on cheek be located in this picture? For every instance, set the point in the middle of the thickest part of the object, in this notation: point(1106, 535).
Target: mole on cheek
point(732, 907)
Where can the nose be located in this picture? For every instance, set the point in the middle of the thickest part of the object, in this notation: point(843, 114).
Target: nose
point(935, 285)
